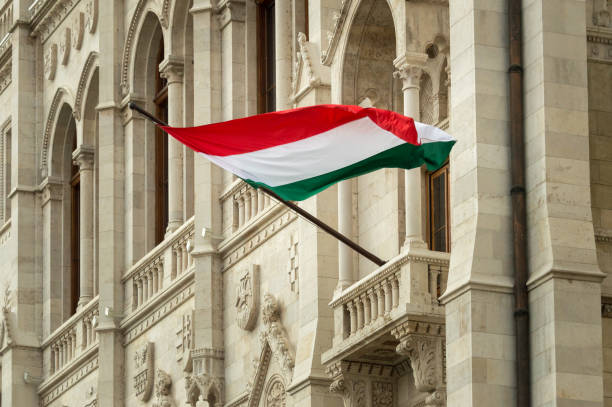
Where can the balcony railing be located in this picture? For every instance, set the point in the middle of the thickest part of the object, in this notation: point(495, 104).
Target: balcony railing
point(408, 283)
point(167, 261)
point(71, 339)
point(242, 204)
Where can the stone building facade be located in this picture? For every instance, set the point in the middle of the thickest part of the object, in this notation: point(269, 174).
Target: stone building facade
point(136, 273)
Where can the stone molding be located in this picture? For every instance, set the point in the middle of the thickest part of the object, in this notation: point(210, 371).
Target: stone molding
point(599, 44)
point(333, 37)
point(164, 17)
point(47, 15)
point(247, 298)
point(88, 68)
point(305, 66)
point(62, 94)
point(350, 380)
point(424, 344)
point(603, 235)
point(83, 157)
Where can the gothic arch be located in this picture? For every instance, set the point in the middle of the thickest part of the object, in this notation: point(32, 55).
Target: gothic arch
point(62, 96)
point(136, 30)
point(90, 66)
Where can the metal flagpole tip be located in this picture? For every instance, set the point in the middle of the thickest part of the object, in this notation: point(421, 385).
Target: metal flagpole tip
point(132, 105)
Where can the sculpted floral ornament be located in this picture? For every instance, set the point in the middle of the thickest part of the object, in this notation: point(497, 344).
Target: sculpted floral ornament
point(276, 337)
point(247, 298)
point(143, 377)
point(276, 396)
point(162, 390)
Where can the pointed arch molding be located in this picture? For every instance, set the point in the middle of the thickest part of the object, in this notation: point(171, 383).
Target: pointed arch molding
point(88, 69)
point(165, 14)
point(61, 95)
point(129, 42)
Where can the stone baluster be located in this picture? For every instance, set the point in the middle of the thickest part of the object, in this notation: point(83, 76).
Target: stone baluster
point(150, 284)
point(381, 300)
point(394, 291)
point(260, 199)
point(179, 260)
point(247, 205)
point(359, 306)
point(140, 292)
point(153, 273)
point(184, 252)
point(386, 290)
point(352, 316)
point(240, 210)
point(366, 309)
point(160, 275)
point(373, 304)
point(254, 206)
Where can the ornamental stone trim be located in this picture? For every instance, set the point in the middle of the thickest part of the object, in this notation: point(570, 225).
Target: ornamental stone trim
point(50, 395)
point(333, 37)
point(88, 68)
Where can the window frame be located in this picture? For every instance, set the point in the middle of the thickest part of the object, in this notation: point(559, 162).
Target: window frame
point(265, 17)
point(431, 176)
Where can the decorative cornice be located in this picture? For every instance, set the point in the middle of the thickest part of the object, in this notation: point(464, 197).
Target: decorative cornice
point(47, 15)
point(334, 36)
point(55, 386)
point(603, 235)
point(599, 44)
point(151, 313)
point(90, 64)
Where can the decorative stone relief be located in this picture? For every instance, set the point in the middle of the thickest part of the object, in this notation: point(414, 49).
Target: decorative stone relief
point(184, 335)
point(382, 394)
point(64, 46)
point(6, 76)
point(143, 378)
point(164, 18)
point(353, 392)
point(203, 385)
point(50, 62)
point(294, 264)
point(46, 20)
point(6, 336)
point(276, 337)
point(276, 396)
point(91, 11)
point(163, 383)
point(91, 397)
point(334, 35)
point(247, 298)
point(423, 343)
point(77, 30)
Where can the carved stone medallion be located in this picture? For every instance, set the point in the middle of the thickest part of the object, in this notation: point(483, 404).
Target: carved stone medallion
point(247, 298)
point(143, 375)
point(50, 62)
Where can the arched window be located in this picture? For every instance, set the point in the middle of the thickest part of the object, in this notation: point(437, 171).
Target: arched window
point(438, 209)
point(161, 151)
point(266, 72)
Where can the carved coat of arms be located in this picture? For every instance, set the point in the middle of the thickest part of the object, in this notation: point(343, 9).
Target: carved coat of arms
point(143, 375)
point(247, 298)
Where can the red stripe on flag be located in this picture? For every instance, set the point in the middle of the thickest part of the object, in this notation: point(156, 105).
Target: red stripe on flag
point(267, 130)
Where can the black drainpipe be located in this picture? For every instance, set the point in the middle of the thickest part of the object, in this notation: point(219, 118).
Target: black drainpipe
point(519, 217)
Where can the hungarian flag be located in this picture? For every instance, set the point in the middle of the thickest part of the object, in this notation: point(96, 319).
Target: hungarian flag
point(300, 152)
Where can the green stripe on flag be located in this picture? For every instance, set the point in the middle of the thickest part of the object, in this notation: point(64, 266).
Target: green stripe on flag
point(406, 156)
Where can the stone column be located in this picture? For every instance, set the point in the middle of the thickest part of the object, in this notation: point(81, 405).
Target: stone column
point(282, 36)
point(345, 226)
point(409, 70)
point(171, 68)
point(423, 343)
point(84, 158)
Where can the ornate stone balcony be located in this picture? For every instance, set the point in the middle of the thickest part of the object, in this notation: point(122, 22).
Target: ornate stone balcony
point(74, 338)
point(242, 205)
point(166, 262)
point(381, 321)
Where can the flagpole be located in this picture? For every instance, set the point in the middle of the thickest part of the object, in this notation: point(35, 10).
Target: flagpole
point(317, 222)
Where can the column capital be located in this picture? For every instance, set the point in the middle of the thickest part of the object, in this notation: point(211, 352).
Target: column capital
point(52, 189)
point(409, 68)
point(172, 69)
point(83, 156)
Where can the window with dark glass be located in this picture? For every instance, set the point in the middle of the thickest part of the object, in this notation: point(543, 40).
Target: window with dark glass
point(266, 73)
point(161, 152)
point(438, 211)
point(75, 250)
